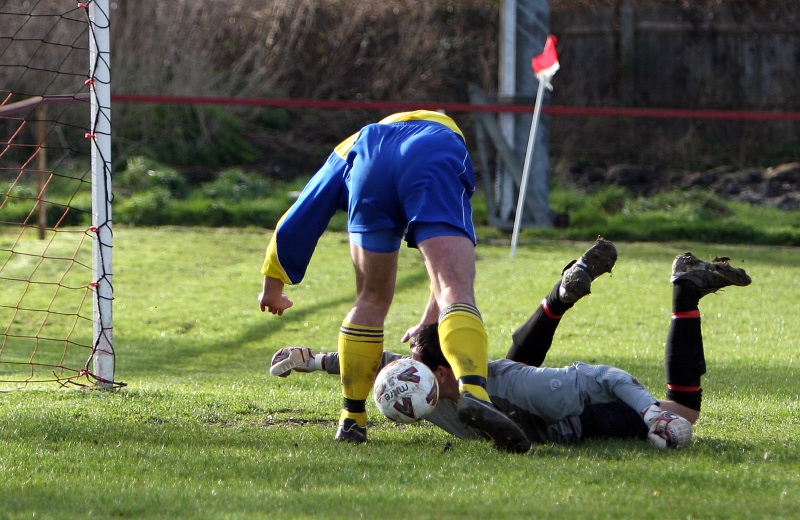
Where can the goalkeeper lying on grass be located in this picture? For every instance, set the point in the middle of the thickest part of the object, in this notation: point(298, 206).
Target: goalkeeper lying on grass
point(565, 405)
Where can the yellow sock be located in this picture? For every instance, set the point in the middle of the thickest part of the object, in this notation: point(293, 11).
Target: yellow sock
point(465, 345)
point(360, 417)
point(360, 354)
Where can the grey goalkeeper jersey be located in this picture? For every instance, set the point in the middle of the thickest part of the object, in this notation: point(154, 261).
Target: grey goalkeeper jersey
point(545, 402)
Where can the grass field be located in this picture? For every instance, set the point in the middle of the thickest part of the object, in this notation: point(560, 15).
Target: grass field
point(201, 430)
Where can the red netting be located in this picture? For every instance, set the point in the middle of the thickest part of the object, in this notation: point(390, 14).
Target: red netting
point(47, 279)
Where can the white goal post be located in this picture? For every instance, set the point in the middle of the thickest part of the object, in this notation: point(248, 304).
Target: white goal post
point(55, 146)
point(100, 84)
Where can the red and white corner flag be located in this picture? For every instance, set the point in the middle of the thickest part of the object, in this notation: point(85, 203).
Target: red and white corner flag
point(546, 64)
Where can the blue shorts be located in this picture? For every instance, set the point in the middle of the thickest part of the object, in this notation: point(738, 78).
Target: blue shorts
point(389, 242)
point(409, 179)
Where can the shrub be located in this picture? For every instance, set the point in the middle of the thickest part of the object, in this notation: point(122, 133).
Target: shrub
point(143, 208)
point(236, 185)
point(142, 174)
point(588, 210)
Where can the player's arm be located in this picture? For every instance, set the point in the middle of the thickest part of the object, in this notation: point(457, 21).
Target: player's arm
point(303, 359)
point(298, 232)
point(299, 229)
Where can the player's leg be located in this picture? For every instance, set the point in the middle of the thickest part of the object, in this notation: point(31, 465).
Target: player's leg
point(375, 235)
point(450, 261)
point(532, 341)
point(684, 357)
point(434, 186)
point(361, 335)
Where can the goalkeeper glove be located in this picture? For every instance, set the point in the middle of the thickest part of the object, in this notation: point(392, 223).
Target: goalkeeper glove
point(300, 359)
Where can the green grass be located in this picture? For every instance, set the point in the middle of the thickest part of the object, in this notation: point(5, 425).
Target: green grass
point(203, 431)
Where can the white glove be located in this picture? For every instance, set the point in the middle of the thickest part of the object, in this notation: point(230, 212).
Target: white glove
point(300, 359)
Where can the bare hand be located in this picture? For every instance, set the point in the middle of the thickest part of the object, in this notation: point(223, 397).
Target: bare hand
point(274, 306)
point(272, 298)
point(412, 332)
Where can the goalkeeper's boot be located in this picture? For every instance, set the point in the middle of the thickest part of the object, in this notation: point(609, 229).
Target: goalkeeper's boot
point(493, 423)
point(577, 277)
point(666, 429)
point(350, 431)
point(708, 277)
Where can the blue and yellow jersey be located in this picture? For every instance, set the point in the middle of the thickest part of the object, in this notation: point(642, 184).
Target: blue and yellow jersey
point(418, 115)
point(299, 229)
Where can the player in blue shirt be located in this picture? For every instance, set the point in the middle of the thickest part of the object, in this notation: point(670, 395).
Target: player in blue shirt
point(408, 176)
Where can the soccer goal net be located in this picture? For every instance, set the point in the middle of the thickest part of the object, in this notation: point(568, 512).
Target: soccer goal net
point(55, 214)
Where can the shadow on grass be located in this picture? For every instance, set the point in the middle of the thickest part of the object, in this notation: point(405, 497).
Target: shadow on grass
point(180, 357)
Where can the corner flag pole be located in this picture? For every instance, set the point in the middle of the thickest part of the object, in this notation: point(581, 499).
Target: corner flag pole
point(544, 67)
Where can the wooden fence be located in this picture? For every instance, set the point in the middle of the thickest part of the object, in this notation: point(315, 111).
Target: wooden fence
point(668, 56)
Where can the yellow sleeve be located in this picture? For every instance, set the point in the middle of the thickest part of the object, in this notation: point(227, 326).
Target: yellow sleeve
point(272, 266)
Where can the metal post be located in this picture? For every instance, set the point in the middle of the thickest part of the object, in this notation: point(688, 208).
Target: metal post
point(523, 186)
point(100, 81)
point(524, 27)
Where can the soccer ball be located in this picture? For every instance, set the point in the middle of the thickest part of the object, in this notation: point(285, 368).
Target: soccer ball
point(670, 431)
point(406, 391)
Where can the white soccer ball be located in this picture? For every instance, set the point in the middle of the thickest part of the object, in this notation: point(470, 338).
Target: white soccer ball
point(406, 391)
